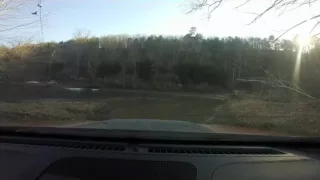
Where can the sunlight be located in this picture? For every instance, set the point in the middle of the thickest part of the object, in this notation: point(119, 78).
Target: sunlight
point(303, 39)
point(296, 71)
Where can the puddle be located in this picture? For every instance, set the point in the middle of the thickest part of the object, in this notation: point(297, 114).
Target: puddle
point(82, 89)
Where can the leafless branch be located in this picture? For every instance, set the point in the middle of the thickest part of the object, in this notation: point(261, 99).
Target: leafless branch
point(278, 5)
point(314, 27)
point(253, 13)
point(284, 9)
point(278, 83)
point(200, 4)
point(296, 25)
point(275, 3)
point(214, 5)
point(273, 84)
point(247, 1)
point(4, 6)
point(81, 34)
point(315, 35)
point(306, 2)
point(283, 83)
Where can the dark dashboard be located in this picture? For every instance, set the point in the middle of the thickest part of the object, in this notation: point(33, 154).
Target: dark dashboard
point(49, 158)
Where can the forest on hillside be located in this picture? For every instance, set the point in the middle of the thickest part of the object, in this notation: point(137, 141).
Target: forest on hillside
point(162, 62)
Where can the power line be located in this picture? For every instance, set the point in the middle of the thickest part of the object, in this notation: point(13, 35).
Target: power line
point(40, 16)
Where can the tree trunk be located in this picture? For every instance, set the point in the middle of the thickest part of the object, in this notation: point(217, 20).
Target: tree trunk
point(233, 78)
point(91, 70)
point(78, 65)
point(50, 66)
point(124, 71)
point(135, 75)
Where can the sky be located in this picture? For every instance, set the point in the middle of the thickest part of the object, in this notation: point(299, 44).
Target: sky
point(145, 17)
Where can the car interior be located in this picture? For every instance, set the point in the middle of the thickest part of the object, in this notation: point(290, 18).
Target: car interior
point(30, 154)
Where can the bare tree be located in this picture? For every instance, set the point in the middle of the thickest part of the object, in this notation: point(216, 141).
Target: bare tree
point(280, 6)
point(277, 83)
point(82, 34)
point(81, 37)
point(21, 47)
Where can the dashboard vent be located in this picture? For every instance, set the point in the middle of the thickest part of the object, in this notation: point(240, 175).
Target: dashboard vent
point(102, 147)
point(181, 150)
point(76, 145)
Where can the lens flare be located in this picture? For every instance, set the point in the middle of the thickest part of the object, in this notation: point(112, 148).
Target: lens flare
point(303, 40)
point(296, 71)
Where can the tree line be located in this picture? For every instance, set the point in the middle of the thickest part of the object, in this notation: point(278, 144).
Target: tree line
point(163, 62)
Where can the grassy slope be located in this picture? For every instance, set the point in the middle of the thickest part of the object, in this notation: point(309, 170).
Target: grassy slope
point(296, 118)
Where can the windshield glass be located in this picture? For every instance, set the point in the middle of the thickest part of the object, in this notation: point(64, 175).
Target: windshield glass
point(217, 66)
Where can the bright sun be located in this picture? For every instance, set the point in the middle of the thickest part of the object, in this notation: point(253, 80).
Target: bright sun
point(303, 39)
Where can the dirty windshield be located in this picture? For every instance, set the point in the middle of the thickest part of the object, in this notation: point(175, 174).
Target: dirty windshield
point(214, 66)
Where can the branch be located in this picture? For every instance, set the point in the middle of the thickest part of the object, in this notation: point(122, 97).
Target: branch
point(284, 9)
point(307, 2)
point(216, 4)
point(275, 3)
point(5, 6)
point(242, 4)
point(296, 25)
point(273, 77)
point(284, 83)
point(315, 35)
point(279, 86)
point(278, 83)
point(314, 27)
point(279, 5)
point(200, 4)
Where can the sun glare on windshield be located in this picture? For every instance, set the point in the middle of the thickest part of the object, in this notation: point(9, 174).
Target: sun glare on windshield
point(303, 39)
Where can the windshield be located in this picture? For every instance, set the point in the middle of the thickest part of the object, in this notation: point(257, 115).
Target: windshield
point(217, 66)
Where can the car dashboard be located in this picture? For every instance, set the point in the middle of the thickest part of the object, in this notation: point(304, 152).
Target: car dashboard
point(31, 158)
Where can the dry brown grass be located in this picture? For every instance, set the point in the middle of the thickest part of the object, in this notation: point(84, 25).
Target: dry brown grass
point(293, 118)
point(169, 108)
point(296, 118)
point(45, 110)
